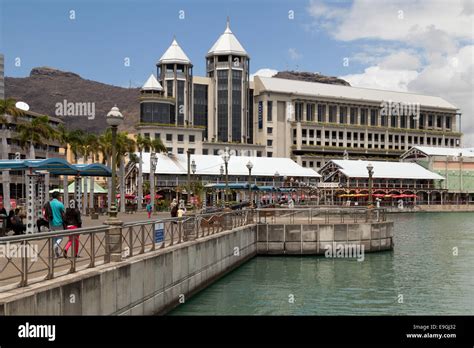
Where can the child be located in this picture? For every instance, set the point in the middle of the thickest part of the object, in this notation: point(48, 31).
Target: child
point(148, 209)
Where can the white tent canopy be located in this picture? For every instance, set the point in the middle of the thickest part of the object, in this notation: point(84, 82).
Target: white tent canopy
point(443, 151)
point(385, 170)
point(210, 165)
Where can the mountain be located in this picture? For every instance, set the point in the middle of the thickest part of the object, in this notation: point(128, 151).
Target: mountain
point(311, 77)
point(48, 88)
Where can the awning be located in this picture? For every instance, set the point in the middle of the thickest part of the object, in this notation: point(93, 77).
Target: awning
point(70, 189)
point(57, 166)
point(233, 186)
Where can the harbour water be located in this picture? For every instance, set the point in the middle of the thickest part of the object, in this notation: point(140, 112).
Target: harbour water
point(423, 275)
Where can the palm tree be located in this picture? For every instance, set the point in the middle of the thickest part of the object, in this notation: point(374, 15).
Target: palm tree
point(142, 144)
point(7, 107)
point(38, 131)
point(91, 149)
point(156, 146)
point(125, 146)
point(105, 148)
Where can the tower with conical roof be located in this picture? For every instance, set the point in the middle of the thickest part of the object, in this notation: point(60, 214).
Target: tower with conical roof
point(175, 72)
point(227, 64)
point(154, 108)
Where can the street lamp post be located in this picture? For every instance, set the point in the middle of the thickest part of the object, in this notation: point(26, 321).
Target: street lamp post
point(370, 169)
point(114, 119)
point(226, 158)
point(193, 169)
point(221, 170)
point(249, 167)
point(113, 240)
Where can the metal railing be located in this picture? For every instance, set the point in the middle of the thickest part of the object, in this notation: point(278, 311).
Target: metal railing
point(32, 258)
point(320, 215)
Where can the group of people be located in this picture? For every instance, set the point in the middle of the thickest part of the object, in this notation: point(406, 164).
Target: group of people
point(14, 221)
point(55, 218)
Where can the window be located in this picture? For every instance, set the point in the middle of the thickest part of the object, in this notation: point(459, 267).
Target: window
point(311, 133)
point(169, 137)
point(299, 112)
point(146, 135)
point(353, 115)
point(269, 111)
point(304, 133)
point(332, 113)
point(169, 149)
point(421, 123)
point(448, 122)
point(259, 153)
point(269, 154)
point(373, 117)
point(430, 120)
point(192, 138)
point(403, 122)
point(157, 135)
point(236, 105)
point(363, 116)
point(180, 137)
point(303, 163)
point(205, 151)
point(216, 151)
point(222, 105)
point(310, 112)
point(192, 151)
point(342, 114)
point(180, 150)
point(269, 130)
point(393, 121)
point(439, 122)
point(321, 113)
point(269, 142)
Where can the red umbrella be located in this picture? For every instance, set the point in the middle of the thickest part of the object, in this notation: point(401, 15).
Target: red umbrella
point(127, 196)
point(157, 196)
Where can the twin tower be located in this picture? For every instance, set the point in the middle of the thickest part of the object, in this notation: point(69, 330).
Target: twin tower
point(218, 103)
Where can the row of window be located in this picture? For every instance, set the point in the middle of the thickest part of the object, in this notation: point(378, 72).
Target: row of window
point(368, 117)
point(169, 137)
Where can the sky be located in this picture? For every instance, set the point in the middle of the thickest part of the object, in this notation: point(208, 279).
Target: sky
point(404, 45)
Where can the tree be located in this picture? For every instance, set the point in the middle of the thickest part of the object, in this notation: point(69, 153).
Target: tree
point(8, 107)
point(125, 146)
point(38, 131)
point(142, 144)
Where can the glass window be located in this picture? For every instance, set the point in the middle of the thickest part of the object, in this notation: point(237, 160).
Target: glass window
point(269, 130)
point(363, 116)
point(180, 137)
point(332, 113)
point(169, 137)
point(373, 117)
point(192, 138)
point(310, 112)
point(353, 115)
point(180, 150)
point(269, 111)
point(342, 114)
point(236, 105)
point(321, 113)
point(269, 142)
point(298, 111)
point(222, 106)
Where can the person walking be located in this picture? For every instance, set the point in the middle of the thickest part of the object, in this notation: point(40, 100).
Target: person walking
point(73, 221)
point(17, 222)
point(149, 209)
point(54, 211)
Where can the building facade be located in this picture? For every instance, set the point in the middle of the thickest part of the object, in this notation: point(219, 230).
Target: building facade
point(456, 165)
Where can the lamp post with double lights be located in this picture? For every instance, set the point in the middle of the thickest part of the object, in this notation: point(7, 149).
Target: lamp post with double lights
point(153, 163)
point(226, 158)
point(249, 167)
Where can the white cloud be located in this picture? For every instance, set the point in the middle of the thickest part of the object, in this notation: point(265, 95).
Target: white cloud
point(400, 61)
point(376, 77)
point(294, 55)
point(265, 72)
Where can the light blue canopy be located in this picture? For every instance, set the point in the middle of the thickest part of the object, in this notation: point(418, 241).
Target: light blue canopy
point(57, 166)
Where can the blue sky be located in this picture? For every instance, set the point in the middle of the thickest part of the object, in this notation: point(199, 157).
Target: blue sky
point(105, 32)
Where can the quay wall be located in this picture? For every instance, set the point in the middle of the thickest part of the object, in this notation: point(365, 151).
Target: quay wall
point(313, 239)
point(151, 283)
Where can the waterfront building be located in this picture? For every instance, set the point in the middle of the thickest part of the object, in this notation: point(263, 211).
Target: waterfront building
point(315, 122)
point(171, 171)
point(391, 181)
point(455, 164)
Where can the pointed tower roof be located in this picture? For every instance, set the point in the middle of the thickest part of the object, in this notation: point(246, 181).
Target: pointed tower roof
point(152, 84)
point(174, 54)
point(227, 44)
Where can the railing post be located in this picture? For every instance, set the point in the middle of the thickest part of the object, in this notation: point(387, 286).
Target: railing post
point(142, 232)
point(50, 274)
point(73, 254)
point(113, 241)
point(24, 266)
point(92, 263)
